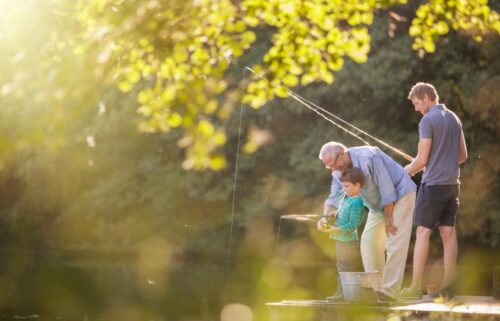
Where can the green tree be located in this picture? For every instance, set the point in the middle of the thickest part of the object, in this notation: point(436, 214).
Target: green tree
point(77, 174)
point(175, 57)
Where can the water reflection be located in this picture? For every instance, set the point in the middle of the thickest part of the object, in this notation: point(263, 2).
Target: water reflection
point(157, 281)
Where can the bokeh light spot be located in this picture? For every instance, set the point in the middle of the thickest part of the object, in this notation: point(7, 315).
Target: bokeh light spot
point(236, 312)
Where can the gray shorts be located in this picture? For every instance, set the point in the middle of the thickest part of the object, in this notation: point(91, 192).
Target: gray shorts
point(348, 256)
point(436, 205)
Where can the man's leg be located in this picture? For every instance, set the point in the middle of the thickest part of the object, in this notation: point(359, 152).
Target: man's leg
point(427, 212)
point(420, 254)
point(397, 246)
point(373, 242)
point(449, 236)
point(450, 250)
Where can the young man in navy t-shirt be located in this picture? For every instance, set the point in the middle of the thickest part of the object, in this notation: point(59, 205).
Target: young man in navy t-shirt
point(441, 149)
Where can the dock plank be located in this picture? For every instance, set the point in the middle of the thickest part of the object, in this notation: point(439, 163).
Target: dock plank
point(476, 307)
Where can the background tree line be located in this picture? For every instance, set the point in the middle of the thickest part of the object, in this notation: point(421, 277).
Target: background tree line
point(90, 186)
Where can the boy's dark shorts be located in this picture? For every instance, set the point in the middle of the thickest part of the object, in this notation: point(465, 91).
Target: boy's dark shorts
point(436, 205)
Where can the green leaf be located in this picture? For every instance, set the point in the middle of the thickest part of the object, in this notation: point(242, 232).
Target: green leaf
point(429, 46)
point(250, 147)
point(257, 101)
point(248, 37)
point(218, 162)
point(327, 77)
point(251, 21)
point(307, 79)
point(211, 106)
point(442, 28)
point(125, 86)
point(174, 120)
point(280, 92)
point(295, 69)
point(219, 138)
point(291, 80)
point(168, 94)
point(239, 26)
point(133, 76)
point(205, 128)
point(144, 96)
point(415, 30)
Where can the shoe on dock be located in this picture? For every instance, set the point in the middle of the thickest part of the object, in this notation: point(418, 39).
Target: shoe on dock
point(409, 293)
point(382, 297)
point(335, 298)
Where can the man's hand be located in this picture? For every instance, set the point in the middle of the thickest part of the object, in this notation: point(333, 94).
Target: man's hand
point(390, 228)
point(330, 212)
point(407, 170)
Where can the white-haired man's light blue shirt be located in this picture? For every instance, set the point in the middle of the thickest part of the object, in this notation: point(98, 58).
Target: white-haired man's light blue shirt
point(385, 180)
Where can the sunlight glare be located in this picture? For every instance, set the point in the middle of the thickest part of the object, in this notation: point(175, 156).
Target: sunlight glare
point(236, 312)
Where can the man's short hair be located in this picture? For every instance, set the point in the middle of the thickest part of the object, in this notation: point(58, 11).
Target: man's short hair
point(332, 149)
point(421, 89)
point(353, 175)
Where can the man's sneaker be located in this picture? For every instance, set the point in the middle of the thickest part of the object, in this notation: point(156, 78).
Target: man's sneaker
point(335, 298)
point(446, 293)
point(409, 293)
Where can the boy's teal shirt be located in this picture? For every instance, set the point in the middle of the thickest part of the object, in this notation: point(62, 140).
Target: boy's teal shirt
point(349, 217)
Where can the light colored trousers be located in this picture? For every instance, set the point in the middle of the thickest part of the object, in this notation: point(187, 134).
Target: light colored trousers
point(374, 242)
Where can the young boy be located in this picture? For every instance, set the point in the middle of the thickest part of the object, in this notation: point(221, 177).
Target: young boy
point(347, 220)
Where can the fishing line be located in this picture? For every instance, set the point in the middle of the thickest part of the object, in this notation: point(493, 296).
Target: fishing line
point(394, 149)
point(319, 110)
point(228, 267)
point(298, 98)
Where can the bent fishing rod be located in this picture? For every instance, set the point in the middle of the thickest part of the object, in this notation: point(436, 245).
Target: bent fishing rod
point(321, 112)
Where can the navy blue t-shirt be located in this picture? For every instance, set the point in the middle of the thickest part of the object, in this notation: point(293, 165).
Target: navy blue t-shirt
point(444, 128)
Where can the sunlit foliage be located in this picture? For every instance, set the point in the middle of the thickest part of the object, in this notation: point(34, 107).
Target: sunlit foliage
point(99, 217)
point(436, 17)
point(174, 56)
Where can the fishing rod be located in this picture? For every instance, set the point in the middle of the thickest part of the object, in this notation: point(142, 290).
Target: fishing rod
point(394, 149)
point(308, 218)
point(319, 110)
point(299, 99)
point(301, 217)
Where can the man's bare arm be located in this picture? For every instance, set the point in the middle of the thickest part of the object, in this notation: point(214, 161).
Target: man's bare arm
point(463, 150)
point(424, 149)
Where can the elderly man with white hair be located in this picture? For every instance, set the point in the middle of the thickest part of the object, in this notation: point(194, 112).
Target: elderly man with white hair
point(389, 194)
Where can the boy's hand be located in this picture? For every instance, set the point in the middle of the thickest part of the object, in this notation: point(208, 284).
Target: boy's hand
point(322, 224)
point(332, 230)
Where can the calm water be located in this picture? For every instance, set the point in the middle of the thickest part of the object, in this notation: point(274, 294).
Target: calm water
point(113, 285)
point(92, 285)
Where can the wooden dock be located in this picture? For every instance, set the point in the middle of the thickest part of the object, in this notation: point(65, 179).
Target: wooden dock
point(458, 308)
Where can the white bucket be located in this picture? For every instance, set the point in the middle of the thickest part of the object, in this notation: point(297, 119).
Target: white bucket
point(360, 286)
